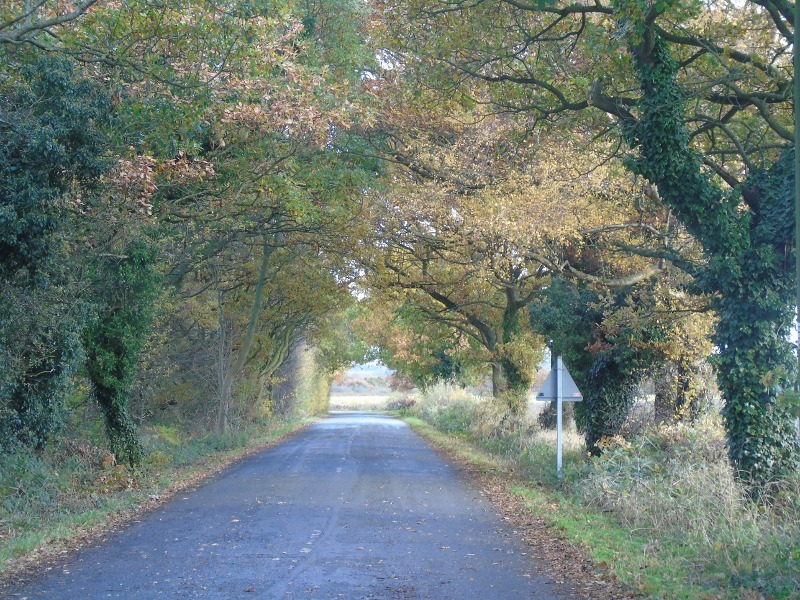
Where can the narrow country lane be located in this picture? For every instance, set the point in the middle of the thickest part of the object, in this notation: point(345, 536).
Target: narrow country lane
point(356, 506)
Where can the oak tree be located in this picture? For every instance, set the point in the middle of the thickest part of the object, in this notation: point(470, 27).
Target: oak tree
point(700, 94)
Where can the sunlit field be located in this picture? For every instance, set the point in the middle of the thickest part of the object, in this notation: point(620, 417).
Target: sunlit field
point(360, 401)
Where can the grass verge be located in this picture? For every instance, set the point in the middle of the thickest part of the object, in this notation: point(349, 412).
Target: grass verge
point(662, 512)
point(56, 502)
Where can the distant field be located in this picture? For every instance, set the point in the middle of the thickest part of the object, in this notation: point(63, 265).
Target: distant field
point(359, 401)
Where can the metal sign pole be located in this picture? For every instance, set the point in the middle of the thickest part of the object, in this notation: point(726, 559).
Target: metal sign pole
point(556, 384)
point(559, 393)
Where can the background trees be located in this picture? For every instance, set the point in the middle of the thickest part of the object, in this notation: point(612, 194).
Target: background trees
point(495, 147)
point(702, 100)
point(195, 171)
point(475, 221)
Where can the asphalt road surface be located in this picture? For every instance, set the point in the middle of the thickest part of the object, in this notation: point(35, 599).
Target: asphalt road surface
point(356, 506)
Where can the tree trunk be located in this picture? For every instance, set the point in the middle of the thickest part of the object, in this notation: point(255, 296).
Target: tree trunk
point(747, 271)
point(667, 383)
point(609, 398)
point(508, 389)
point(239, 358)
point(499, 382)
point(674, 399)
point(762, 440)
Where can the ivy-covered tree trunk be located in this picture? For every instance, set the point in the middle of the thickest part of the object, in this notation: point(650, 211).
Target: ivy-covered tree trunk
point(564, 314)
point(745, 234)
point(127, 286)
point(517, 386)
point(510, 378)
point(51, 147)
point(609, 399)
point(756, 369)
point(673, 400)
point(37, 380)
point(508, 386)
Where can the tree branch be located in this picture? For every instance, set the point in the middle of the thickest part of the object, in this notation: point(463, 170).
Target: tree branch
point(19, 35)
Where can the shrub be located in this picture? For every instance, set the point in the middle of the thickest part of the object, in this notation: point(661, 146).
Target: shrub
point(453, 409)
point(677, 483)
point(404, 404)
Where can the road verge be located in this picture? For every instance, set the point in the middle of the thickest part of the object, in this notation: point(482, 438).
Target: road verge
point(86, 509)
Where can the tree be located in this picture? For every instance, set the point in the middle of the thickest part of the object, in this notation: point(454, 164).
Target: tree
point(233, 156)
point(23, 21)
point(467, 226)
point(52, 152)
point(292, 298)
point(222, 141)
point(52, 147)
point(125, 287)
point(419, 350)
point(471, 280)
point(702, 98)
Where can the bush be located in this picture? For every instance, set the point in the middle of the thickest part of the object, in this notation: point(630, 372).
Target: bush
point(25, 480)
point(404, 404)
point(450, 408)
point(455, 410)
point(677, 483)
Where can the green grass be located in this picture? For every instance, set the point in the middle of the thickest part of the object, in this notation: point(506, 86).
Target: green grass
point(54, 497)
point(640, 561)
point(662, 511)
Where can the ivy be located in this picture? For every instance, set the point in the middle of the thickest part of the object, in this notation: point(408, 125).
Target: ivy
point(49, 142)
point(564, 314)
point(50, 147)
point(611, 395)
point(748, 271)
point(37, 380)
point(127, 287)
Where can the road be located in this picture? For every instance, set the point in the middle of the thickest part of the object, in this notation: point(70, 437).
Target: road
point(356, 506)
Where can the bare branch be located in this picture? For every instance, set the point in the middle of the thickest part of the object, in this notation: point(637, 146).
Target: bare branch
point(629, 280)
point(21, 34)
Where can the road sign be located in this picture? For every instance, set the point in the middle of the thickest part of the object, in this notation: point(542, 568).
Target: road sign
point(559, 386)
point(569, 391)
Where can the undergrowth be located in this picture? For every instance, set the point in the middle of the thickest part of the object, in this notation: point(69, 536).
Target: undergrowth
point(663, 510)
point(50, 496)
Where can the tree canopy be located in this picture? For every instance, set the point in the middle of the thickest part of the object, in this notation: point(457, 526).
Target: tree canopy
point(697, 98)
point(212, 181)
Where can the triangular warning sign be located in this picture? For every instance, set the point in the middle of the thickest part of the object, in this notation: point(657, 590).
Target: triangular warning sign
point(569, 391)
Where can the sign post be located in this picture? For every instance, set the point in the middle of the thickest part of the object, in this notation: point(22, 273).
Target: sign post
point(559, 411)
point(559, 386)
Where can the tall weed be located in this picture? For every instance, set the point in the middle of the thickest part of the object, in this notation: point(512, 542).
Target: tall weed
point(673, 485)
point(453, 409)
point(677, 483)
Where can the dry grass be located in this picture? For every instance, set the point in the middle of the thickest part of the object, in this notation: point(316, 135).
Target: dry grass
point(571, 440)
point(685, 527)
point(677, 485)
